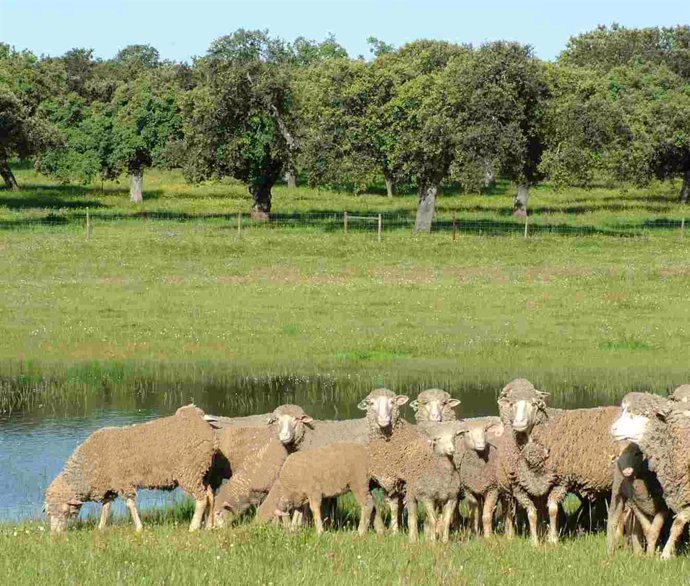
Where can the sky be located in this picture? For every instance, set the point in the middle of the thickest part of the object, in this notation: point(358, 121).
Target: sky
point(181, 29)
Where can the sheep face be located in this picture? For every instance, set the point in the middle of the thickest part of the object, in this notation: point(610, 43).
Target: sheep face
point(383, 405)
point(288, 422)
point(60, 504)
point(475, 435)
point(433, 404)
point(629, 426)
point(630, 461)
point(521, 405)
point(443, 442)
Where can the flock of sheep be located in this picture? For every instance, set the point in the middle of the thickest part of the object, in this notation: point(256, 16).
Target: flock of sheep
point(635, 460)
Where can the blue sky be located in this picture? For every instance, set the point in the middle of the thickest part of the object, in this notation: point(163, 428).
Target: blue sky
point(180, 29)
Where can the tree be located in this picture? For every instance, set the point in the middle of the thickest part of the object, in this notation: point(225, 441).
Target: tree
point(239, 121)
point(24, 131)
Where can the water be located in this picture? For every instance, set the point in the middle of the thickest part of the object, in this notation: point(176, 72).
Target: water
point(35, 442)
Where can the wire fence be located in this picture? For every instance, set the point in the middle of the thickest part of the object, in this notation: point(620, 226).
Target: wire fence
point(454, 224)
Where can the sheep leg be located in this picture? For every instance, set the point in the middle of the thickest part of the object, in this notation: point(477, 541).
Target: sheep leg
point(509, 517)
point(473, 506)
point(652, 535)
point(132, 506)
point(210, 505)
point(297, 519)
point(637, 535)
point(430, 522)
point(285, 522)
point(379, 526)
point(412, 519)
point(199, 509)
point(315, 505)
point(614, 524)
point(394, 505)
point(366, 509)
point(556, 496)
point(676, 530)
point(447, 518)
point(490, 501)
point(105, 513)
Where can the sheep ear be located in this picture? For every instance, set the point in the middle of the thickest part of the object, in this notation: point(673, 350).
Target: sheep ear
point(415, 405)
point(400, 400)
point(662, 414)
point(306, 418)
point(363, 404)
point(226, 505)
point(496, 428)
point(503, 402)
point(543, 394)
point(271, 419)
point(453, 403)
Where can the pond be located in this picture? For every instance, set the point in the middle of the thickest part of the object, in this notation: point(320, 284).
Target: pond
point(36, 441)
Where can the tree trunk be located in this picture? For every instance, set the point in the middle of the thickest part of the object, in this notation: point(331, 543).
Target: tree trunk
point(261, 201)
point(389, 186)
point(291, 179)
point(520, 203)
point(426, 207)
point(8, 176)
point(685, 189)
point(489, 176)
point(136, 183)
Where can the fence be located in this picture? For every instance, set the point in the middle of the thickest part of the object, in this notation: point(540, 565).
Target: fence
point(453, 223)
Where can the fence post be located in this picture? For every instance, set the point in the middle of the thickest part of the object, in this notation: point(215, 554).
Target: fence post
point(88, 225)
point(526, 225)
point(455, 228)
point(345, 222)
point(682, 228)
point(239, 224)
point(380, 226)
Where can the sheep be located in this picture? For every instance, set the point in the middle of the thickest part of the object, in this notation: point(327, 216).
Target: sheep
point(635, 486)
point(663, 435)
point(417, 463)
point(309, 477)
point(478, 461)
point(434, 405)
point(254, 456)
point(116, 461)
point(555, 451)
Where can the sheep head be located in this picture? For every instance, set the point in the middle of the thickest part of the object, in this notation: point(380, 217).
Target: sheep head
point(681, 394)
point(61, 503)
point(474, 433)
point(638, 409)
point(630, 461)
point(383, 407)
point(521, 405)
point(434, 405)
point(289, 423)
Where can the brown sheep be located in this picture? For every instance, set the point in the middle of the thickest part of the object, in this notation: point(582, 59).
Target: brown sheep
point(116, 461)
point(309, 477)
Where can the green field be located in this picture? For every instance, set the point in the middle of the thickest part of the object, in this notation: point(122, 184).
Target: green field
point(176, 294)
point(168, 554)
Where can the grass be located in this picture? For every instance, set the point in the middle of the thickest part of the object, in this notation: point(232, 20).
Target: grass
point(145, 301)
point(167, 554)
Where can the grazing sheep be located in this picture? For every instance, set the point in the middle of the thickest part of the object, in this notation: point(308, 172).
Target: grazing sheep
point(309, 477)
point(254, 456)
point(635, 486)
point(478, 461)
point(434, 405)
point(556, 451)
point(116, 461)
point(663, 435)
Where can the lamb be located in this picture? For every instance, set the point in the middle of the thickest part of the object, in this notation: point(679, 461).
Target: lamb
point(478, 461)
point(417, 463)
point(434, 405)
point(255, 456)
point(309, 477)
point(116, 461)
point(635, 486)
point(663, 435)
point(555, 451)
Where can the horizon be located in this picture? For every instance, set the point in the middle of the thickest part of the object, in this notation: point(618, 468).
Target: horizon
point(545, 26)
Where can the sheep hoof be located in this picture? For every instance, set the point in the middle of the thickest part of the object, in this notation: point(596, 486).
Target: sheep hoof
point(667, 555)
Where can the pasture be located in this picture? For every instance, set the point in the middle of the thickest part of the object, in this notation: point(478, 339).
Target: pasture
point(166, 303)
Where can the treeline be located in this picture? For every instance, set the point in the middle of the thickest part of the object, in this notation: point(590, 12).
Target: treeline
point(614, 105)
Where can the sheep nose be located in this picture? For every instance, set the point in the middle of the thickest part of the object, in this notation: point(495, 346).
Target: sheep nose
point(435, 416)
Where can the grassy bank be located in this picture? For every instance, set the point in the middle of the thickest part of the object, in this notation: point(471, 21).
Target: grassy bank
point(168, 554)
